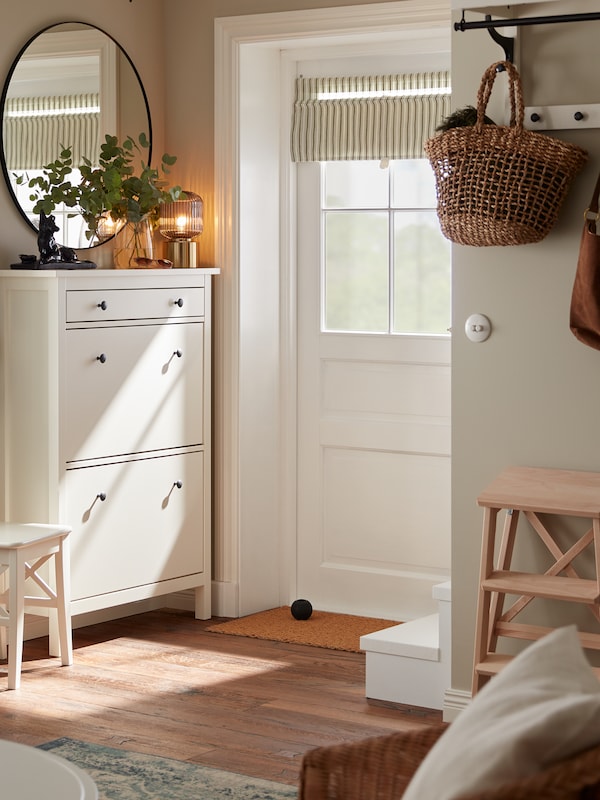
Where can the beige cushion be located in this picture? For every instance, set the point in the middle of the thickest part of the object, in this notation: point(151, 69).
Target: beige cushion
point(542, 708)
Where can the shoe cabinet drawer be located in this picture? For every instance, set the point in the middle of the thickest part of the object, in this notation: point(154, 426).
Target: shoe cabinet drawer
point(132, 389)
point(106, 305)
point(135, 522)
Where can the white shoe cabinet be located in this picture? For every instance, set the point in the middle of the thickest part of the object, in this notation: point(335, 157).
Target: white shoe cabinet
point(106, 404)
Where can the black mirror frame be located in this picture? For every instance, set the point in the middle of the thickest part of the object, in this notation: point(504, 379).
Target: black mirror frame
point(3, 104)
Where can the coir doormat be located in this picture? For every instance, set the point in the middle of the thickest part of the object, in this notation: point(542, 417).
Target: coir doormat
point(322, 629)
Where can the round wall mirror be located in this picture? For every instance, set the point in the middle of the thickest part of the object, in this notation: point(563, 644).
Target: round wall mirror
point(70, 85)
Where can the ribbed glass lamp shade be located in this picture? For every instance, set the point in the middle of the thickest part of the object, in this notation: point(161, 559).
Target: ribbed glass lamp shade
point(182, 220)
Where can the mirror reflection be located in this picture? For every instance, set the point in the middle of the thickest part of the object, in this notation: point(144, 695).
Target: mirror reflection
point(70, 86)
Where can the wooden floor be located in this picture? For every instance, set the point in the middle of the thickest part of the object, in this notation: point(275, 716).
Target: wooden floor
point(159, 683)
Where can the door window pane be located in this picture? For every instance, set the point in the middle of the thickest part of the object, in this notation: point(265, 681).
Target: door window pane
point(412, 184)
point(356, 271)
point(421, 274)
point(356, 184)
point(386, 264)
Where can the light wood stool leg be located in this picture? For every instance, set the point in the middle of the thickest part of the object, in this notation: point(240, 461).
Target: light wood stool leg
point(482, 629)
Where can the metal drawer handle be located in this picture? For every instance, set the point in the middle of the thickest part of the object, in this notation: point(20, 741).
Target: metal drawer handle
point(178, 302)
point(103, 305)
point(101, 358)
point(166, 500)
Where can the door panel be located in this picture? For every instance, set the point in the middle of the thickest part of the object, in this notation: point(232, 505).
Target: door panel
point(373, 534)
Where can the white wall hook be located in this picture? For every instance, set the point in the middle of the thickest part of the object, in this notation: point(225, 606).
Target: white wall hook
point(478, 328)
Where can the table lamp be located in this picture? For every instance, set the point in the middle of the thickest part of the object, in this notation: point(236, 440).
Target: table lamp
point(180, 222)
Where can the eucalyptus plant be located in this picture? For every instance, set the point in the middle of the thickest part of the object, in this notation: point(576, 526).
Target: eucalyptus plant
point(110, 188)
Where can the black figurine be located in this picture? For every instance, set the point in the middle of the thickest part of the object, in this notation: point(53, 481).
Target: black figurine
point(49, 250)
point(52, 255)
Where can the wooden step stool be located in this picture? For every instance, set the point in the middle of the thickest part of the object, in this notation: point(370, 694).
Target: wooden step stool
point(24, 549)
point(532, 491)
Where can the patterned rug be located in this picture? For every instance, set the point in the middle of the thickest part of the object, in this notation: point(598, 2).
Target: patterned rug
point(123, 775)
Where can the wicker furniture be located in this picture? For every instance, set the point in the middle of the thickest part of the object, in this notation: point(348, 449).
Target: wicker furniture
point(380, 768)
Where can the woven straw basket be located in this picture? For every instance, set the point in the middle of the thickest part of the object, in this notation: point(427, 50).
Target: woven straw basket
point(498, 184)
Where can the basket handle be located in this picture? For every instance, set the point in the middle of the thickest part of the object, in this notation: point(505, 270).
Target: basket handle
point(515, 94)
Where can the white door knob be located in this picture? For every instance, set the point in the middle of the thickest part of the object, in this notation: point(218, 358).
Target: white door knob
point(478, 328)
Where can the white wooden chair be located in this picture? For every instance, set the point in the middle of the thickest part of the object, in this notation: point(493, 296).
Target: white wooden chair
point(24, 549)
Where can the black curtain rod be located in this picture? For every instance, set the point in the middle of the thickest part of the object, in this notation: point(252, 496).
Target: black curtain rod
point(506, 23)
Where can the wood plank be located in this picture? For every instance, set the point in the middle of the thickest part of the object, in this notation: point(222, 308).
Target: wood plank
point(522, 630)
point(495, 663)
point(159, 683)
point(574, 590)
point(551, 491)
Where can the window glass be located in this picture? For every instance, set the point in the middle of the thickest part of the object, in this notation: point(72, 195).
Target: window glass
point(356, 271)
point(412, 184)
point(386, 264)
point(421, 274)
point(362, 185)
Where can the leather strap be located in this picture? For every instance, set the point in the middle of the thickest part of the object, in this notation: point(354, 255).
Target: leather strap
point(594, 203)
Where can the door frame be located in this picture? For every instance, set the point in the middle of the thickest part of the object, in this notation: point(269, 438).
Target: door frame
point(254, 508)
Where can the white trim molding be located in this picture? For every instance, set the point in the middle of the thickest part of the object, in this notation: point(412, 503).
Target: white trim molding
point(254, 501)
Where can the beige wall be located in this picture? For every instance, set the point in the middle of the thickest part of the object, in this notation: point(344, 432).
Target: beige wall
point(136, 26)
point(189, 27)
point(529, 394)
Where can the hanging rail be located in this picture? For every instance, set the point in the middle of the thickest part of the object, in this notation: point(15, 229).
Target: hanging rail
point(488, 23)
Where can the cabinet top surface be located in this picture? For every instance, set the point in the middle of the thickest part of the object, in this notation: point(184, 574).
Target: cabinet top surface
point(552, 491)
point(112, 274)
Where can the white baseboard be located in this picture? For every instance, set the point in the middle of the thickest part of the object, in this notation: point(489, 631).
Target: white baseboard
point(225, 599)
point(183, 601)
point(455, 701)
point(224, 604)
point(36, 625)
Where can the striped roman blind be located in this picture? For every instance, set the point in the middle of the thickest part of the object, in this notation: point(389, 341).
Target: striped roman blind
point(36, 128)
point(372, 117)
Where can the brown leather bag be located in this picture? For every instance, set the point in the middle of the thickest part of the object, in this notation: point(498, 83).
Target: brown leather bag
point(585, 299)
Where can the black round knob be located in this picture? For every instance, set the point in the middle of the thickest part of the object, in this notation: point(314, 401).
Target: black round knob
point(578, 115)
point(101, 496)
point(101, 358)
point(535, 117)
point(179, 302)
point(178, 353)
point(103, 305)
point(178, 484)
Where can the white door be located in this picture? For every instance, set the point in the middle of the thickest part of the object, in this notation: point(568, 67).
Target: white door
point(373, 504)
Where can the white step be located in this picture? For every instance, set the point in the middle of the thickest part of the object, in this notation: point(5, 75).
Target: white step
point(410, 663)
point(419, 638)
